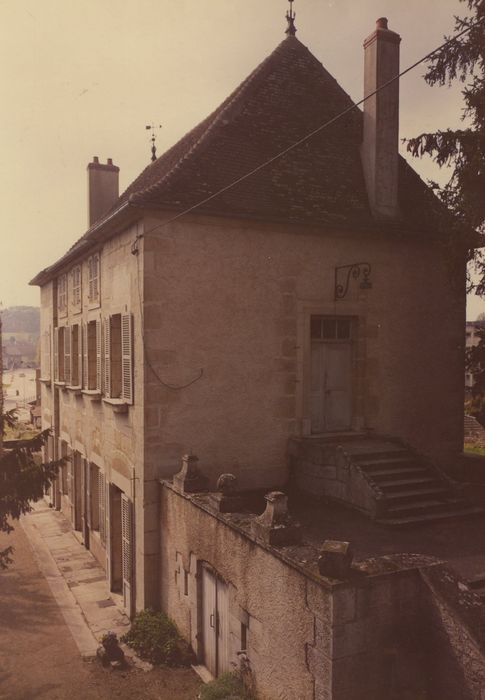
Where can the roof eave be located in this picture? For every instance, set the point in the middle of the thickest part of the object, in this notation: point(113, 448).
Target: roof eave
point(98, 232)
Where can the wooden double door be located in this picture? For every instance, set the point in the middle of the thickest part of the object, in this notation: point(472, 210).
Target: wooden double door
point(215, 622)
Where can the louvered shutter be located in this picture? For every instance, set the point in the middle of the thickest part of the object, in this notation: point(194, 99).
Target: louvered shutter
point(48, 354)
point(127, 358)
point(79, 378)
point(107, 357)
point(98, 355)
point(67, 354)
point(127, 550)
point(94, 497)
point(56, 354)
point(85, 377)
point(102, 506)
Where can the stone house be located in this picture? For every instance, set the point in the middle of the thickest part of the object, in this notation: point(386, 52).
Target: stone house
point(244, 318)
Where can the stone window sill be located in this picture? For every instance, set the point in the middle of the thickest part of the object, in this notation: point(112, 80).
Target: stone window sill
point(47, 382)
point(93, 394)
point(118, 405)
point(76, 390)
point(61, 385)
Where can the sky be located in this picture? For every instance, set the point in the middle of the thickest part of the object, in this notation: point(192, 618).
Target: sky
point(82, 79)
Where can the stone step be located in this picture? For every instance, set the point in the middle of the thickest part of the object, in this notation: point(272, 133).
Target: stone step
point(381, 461)
point(361, 455)
point(397, 473)
point(424, 518)
point(423, 507)
point(418, 494)
point(397, 484)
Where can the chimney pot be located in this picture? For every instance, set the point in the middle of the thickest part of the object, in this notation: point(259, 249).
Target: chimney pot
point(110, 161)
point(381, 23)
point(95, 159)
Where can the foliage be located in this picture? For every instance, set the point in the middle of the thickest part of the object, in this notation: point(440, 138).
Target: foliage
point(473, 449)
point(475, 363)
point(462, 149)
point(23, 477)
point(228, 686)
point(21, 319)
point(155, 638)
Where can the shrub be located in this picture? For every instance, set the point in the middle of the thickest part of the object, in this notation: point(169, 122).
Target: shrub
point(228, 686)
point(155, 638)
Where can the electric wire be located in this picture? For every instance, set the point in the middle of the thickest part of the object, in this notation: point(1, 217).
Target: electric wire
point(260, 167)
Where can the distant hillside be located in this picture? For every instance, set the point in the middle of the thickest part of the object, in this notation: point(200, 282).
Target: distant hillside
point(21, 319)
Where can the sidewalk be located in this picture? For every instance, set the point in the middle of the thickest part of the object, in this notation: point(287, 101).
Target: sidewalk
point(75, 578)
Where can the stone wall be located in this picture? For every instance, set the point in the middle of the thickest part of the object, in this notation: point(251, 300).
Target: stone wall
point(307, 636)
point(227, 321)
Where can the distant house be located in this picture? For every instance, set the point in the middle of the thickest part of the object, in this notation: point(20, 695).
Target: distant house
point(19, 354)
point(303, 303)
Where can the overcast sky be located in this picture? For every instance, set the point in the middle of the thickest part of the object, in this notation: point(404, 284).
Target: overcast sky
point(83, 78)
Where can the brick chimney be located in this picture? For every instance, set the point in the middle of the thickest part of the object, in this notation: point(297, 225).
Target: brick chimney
point(381, 120)
point(103, 188)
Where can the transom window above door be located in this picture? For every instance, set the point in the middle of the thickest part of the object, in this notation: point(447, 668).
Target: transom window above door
point(328, 328)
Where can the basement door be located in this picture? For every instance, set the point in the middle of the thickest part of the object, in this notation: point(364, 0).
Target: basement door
point(331, 374)
point(215, 622)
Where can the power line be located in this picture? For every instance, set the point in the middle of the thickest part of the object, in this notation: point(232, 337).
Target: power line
point(308, 136)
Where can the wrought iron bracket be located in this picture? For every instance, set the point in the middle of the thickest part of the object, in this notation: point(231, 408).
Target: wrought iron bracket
point(345, 273)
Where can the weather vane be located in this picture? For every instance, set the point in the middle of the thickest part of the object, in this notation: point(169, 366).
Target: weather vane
point(290, 16)
point(153, 128)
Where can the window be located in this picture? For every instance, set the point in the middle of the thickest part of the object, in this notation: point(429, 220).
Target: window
point(118, 357)
point(62, 295)
point(76, 296)
point(327, 328)
point(92, 356)
point(93, 279)
point(59, 354)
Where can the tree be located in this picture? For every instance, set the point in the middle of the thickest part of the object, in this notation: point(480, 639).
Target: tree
point(23, 477)
point(462, 149)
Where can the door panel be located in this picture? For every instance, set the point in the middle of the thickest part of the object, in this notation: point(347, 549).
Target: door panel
point(331, 386)
point(338, 410)
point(209, 619)
point(222, 600)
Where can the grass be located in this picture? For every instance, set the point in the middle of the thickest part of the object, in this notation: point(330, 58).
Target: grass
point(470, 448)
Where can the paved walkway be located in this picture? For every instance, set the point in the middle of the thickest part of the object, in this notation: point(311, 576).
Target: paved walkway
point(44, 631)
point(75, 578)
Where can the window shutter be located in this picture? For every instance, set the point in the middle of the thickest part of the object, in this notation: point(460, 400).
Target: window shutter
point(127, 549)
point(79, 378)
point(102, 506)
point(85, 380)
point(98, 355)
point(67, 354)
point(127, 358)
point(94, 499)
point(47, 374)
point(107, 356)
point(56, 354)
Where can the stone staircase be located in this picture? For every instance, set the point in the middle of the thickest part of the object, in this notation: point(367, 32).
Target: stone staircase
point(378, 476)
point(474, 431)
point(409, 489)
